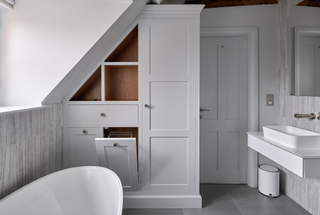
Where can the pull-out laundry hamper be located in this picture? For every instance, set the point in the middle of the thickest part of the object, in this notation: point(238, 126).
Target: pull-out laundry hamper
point(118, 152)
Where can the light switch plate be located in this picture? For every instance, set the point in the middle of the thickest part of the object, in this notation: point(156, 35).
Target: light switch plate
point(270, 100)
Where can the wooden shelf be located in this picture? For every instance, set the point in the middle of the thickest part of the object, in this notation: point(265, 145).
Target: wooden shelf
point(127, 51)
point(121, 83)
point(120, 75)
point(91, 90)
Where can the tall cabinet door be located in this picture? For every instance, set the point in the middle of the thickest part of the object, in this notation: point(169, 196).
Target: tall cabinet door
point(169, 99)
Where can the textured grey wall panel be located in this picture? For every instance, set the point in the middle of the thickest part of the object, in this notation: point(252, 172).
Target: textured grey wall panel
point(30, 146)
point(305, 192)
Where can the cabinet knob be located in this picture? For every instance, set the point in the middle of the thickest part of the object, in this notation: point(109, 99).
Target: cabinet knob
point(102, 114)
point(147, 106)
point(115, 144)
point(84, 131)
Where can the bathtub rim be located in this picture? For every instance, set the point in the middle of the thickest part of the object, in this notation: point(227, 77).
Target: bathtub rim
point(120, 206)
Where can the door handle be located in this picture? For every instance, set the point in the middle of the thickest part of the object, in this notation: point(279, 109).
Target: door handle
point(201, 110)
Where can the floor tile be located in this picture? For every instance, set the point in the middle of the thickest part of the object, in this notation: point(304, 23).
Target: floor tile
point(215, 205)
point(245, 194)
point(220, 199)
point(263, 209)
point(296, 206)
point(213, 189)
point(153, 212)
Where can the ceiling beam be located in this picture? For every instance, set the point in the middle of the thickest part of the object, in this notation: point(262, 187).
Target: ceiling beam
point(230, 3)
point(311, 3)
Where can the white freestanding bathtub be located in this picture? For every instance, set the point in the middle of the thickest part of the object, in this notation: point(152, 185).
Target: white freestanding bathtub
point(79, 190)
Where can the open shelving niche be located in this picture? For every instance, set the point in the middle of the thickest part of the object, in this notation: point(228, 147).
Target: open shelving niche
point(116, 79)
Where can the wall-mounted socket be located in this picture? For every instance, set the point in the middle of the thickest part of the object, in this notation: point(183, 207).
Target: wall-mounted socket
point(270, 100)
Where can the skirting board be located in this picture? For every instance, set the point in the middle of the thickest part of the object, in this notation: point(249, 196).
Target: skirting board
point(162, 201)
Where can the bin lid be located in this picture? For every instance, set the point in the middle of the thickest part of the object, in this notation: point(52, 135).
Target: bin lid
point(268, 168)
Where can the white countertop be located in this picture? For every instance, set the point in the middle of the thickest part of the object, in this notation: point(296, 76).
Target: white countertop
point(301, 152)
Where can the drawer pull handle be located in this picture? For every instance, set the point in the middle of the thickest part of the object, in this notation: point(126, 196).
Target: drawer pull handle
point(102, 114)
point(115, 144)
point(84, 131)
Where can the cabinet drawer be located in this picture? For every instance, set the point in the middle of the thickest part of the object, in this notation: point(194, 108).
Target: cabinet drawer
point(104, 115)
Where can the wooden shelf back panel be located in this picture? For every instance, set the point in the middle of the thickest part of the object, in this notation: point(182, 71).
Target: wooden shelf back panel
point(135, 134)
point(91, 90)
point(127, 51)
point(121, 83)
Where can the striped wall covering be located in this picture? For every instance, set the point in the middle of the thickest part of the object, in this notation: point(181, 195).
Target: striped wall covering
point(30, 146)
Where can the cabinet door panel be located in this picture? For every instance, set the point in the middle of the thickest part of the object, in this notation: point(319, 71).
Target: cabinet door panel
point(169, 157)
point(120, 155)
point(82, 150)
point(169, 105)
point(169, 49)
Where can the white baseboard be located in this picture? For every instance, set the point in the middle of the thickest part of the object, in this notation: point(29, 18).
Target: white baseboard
point(162, 201)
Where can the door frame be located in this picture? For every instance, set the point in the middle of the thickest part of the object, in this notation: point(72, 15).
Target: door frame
point(253, 87)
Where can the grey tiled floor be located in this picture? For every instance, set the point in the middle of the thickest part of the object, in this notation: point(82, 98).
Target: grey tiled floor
point(231, 200)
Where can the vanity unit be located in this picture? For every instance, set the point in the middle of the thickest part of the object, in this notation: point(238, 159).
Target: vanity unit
point(297, 150)
point(148, 85)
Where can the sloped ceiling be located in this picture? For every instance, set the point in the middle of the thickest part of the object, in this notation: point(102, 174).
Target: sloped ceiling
point(88, 61)
point(42, 40)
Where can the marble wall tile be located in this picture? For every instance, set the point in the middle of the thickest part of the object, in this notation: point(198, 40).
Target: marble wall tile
point(305, 192)
point(30, 146)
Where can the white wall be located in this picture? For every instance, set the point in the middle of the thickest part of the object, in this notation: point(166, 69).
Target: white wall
point(265, 18)
point(41, 41)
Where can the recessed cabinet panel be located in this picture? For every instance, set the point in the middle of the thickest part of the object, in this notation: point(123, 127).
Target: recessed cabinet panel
point(82, 150)
point(105, 115)
point(117, 158)
point(169, 51)
point(169, 161)
point(169, 105)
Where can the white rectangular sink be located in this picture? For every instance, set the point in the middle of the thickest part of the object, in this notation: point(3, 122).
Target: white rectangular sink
point(292, 137)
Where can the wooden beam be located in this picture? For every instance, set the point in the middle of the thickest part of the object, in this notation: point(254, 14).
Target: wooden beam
point(311, 3)
point(230, 3)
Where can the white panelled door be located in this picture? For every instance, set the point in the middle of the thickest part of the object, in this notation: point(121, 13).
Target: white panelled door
point(224, 92)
